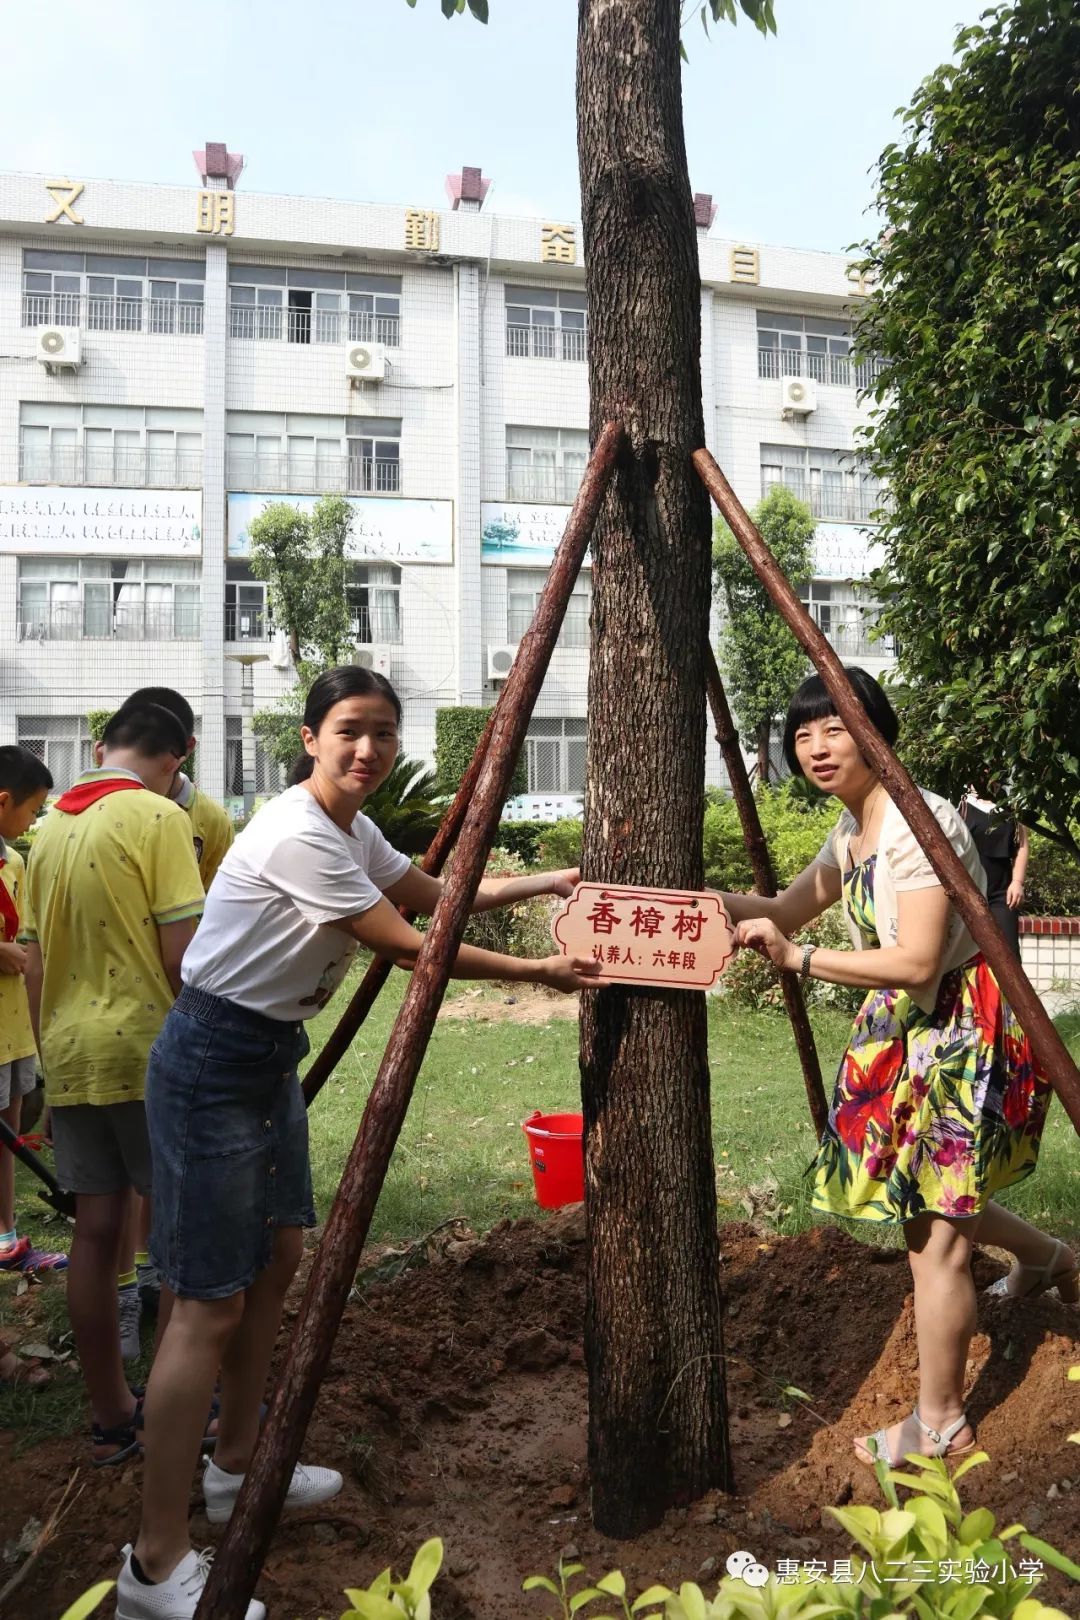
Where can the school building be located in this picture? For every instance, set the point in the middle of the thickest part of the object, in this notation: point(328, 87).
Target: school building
point(173, 358)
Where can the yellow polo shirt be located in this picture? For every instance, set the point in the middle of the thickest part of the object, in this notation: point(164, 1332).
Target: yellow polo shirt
point(99, 884)
point(16, 1033)
point(211, 829)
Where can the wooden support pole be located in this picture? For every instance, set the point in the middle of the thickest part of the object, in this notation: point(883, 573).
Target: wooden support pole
point(378, 969)
point(765, 883)
point(251, 1527)
point(1050, 1050)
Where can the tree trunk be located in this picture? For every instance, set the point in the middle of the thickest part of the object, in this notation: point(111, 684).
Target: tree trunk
point(653, 1337)
point(764, 763)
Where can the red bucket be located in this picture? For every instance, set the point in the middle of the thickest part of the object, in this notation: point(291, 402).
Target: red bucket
point(558, 1158)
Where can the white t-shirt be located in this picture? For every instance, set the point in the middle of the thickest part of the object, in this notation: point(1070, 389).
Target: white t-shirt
point(264, 941)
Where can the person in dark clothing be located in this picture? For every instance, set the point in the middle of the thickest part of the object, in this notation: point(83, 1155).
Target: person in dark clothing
point(1002, 844)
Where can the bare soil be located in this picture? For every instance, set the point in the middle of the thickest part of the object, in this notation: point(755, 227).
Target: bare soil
point(456, 1405)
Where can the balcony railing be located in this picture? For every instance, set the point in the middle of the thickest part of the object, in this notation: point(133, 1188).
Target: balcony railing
point(832, 370)
point(849, 500)
point(122, 469)
point(101, 314)
point(379, 624)
point(851, 638)
point(545, 342)
point(306, 475)
point(271, 322)
point(246, 623)
point(553, 485)
point(97, 621)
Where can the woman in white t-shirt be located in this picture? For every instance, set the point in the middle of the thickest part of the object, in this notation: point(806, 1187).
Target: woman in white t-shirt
point(939, 1102)
point(308, 882)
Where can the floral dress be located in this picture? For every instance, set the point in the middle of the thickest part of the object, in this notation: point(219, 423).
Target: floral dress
point(933, 1112)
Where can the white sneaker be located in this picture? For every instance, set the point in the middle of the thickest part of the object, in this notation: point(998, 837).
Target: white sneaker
point(174, 1599)
point(130, 1308)
point(307, 1488)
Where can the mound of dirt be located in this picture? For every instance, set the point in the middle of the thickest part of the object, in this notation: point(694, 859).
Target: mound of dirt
point(456, 1405)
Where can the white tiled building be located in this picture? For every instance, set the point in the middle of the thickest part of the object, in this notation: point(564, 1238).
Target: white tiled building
point(171, 358)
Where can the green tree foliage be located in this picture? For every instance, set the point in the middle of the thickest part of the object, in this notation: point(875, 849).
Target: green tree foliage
point(760, 12)
point(762, 662)
point(302, 559)
point(976, 317)
point(457, 732)
point(404, 808)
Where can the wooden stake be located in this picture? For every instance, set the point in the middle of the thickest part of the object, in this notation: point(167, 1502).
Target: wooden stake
point(251, 1527)
point(765, 883)
point(1049, 1049)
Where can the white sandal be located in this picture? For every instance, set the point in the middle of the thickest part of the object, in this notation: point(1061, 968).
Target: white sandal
point(1065, 1279)
point(942, 1440)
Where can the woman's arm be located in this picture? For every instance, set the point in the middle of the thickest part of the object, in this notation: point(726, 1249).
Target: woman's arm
point(385, 932)
point(418, 891)
point(813, 891)
point(912, 964)
point(1014, 897)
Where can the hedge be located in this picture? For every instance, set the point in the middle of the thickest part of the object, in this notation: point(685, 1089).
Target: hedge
point(457, 732)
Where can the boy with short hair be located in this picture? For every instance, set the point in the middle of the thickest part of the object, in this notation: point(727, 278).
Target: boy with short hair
point(114, 895)
point(25, 782)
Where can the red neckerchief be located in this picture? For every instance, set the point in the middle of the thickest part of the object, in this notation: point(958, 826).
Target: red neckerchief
point(9, 915)
point(84, 794)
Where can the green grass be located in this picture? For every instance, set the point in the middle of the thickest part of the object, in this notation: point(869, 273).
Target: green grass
point(462, 1151)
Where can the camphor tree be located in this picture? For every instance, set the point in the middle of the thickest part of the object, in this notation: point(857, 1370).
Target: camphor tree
point(976, 317)
point(761, 661)
point(654, 1347)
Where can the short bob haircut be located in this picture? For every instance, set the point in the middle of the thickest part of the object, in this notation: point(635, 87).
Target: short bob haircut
point(811, 701)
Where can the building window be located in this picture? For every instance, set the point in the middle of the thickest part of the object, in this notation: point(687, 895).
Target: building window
point(523, 588)
point(836, 484)
point(247, 616)
point(542, 324)
point(109, 598)
point(811, 346)
point(545, 464)
point(313, 306)
point(106, 293)
point(555, 756)
point(62, 742)
point(314, 455)
point(130, 446)
point(846, 614)
point(374, 597)
point(269, 775)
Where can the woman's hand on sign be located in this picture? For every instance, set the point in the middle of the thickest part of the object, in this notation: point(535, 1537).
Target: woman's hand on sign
point(567, 973)
point(761, 935)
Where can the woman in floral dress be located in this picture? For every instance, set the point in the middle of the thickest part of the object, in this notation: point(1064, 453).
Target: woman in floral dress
point(939, 1103)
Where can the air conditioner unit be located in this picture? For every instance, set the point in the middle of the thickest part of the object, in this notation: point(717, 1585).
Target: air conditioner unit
point(500, 661)
point(799, 395)
point(59, 347)
point(365, 362)
point(375, 658)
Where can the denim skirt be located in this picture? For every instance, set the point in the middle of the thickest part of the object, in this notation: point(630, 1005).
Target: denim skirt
point(229, 1138)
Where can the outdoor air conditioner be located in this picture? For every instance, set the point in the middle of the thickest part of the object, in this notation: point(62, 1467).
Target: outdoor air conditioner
point(59, 347)
point(499, 662)
point(375, 658)
point(799, 395)
point(365, 362)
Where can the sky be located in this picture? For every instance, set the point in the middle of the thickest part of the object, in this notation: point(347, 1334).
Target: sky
point(375, 102)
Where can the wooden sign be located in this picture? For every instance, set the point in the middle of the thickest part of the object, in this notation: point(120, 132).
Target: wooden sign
point(647, 936)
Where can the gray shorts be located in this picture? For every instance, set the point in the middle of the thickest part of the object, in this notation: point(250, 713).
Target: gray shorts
point(17, 1079)
point(101, 1147)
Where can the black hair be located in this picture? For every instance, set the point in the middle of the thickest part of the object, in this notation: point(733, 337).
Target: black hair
point(167, 699)
point(22, 774)
point(812, 701)
point(149, 728)
point(334, 686)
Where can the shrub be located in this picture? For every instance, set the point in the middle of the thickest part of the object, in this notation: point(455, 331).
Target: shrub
point(1053, 880)
point(457, 732)
point(751, 981)
point(795, 828)
point(559, 844)
point(520, 930)
point(522, 838)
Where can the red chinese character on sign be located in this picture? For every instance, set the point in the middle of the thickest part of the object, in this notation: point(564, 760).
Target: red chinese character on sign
point(603, 917)
point(646, 921)
point(628, 956)
point(658, 959)
point(674, 959)
point(689, 959)
point(688, 926)
point(613, 953)
point(598, 953)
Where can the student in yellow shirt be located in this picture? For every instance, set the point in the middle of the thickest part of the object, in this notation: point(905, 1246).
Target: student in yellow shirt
point(138, 1284)
point(24, 786)
point(114, 896)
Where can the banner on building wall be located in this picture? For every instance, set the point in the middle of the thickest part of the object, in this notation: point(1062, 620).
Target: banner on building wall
point(399, 531)
point(846, 551)
point(521, 536)
point(106, 522)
